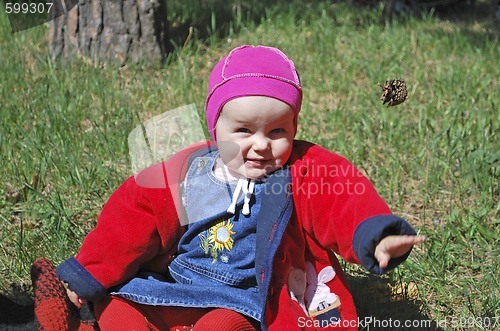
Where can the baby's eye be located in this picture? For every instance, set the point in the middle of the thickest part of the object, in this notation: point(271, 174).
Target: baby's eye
point(278, 130)
point(243, 130)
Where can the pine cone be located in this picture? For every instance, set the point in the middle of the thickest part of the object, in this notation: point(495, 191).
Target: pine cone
point(394, 92)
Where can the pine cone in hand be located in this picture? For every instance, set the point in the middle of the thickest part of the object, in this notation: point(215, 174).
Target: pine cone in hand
point(394, 92)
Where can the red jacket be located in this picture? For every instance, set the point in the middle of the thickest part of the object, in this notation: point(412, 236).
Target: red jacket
point(336, 210)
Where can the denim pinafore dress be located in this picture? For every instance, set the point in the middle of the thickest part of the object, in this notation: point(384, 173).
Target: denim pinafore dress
point(221, 255)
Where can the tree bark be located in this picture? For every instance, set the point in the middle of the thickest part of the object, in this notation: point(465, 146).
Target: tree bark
point(112, 30)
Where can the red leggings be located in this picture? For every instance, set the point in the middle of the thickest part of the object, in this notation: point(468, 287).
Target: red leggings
point(114, 313)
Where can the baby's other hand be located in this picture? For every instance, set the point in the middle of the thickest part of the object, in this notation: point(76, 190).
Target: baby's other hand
point(395, 246)
point(75, 299)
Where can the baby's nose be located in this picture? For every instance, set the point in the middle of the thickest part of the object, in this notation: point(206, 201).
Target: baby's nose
point(261, 143)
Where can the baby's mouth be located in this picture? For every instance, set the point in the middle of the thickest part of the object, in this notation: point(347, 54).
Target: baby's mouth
point(256, 162)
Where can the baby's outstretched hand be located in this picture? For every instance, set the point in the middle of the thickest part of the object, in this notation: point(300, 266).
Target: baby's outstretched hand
point(75, 299)
point(395, 246)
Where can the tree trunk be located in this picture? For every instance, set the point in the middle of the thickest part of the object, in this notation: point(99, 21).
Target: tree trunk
point(112, 30)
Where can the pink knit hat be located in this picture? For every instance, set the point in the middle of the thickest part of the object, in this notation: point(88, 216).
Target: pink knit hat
point(250, 71)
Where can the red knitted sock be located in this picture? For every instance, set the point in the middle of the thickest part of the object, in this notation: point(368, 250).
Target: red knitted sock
point(225, 320)
point(53, 310)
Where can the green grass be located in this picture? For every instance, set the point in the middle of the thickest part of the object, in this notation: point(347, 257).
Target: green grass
point(435, 158)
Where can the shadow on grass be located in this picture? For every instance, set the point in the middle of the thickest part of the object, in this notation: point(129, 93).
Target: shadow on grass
point(475, 20)
point(380, 309)
point(17, 310)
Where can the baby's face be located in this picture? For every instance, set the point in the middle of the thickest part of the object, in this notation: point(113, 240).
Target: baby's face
point(255, 135)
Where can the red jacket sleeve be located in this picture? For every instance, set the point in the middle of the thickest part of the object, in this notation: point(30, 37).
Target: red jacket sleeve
point(138, 228)
point(332, 197)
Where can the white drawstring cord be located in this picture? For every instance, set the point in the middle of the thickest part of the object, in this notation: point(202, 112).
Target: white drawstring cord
point(247, 186)
point(232, 207)
point(248, 191)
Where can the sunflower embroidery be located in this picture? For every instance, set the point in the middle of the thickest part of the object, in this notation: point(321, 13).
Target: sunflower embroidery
point(219, 239)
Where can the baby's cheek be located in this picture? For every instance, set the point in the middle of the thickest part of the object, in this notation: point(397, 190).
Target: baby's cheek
point(229, 151)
